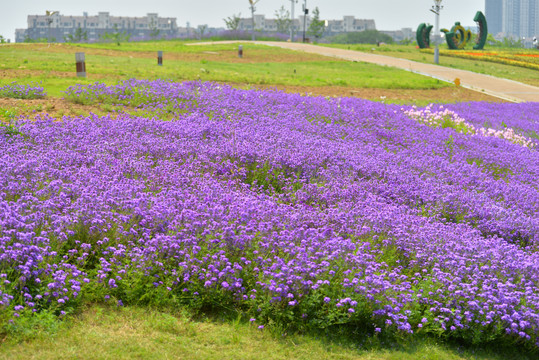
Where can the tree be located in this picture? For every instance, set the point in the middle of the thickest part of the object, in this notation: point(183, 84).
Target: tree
point(282, 20)
point(232, 22)
point(317, 26)
point(202, 29)
point(506, 42)
point(252, 4)
point(2, 39)
point(116, 36)
point(406, 41)
point(154, 29)
point(78, 36)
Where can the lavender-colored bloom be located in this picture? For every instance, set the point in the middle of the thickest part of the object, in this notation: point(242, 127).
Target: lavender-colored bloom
point(284, 197)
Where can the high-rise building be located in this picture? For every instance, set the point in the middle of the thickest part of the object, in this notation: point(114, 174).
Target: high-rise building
point(516, 18)
point(494, 15)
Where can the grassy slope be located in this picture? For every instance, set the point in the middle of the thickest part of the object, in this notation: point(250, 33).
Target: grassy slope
point(527, 76)
point(54, 67)
point(126, 333)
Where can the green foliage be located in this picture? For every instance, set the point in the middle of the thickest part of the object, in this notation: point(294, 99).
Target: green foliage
point(116, 36)
point(30, 325)
point(273, 179)
point(27, 39)
point(361, 37)
point(79, 36)
point(232, 22)
point(506, 42)
point(406, 41)
point(201, 30)
point(7, 114)
point(9, 129)
point(282, 20)
point(317, 26)
point(111, 332)
point(2, 40)
point(154, 29)
point(498, 172)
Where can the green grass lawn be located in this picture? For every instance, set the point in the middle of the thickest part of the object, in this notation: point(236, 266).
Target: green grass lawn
point(409, 52)
point(104, 332)
point(54, 66)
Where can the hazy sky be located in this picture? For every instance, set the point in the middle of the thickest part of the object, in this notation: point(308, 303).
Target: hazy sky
point(388, 14)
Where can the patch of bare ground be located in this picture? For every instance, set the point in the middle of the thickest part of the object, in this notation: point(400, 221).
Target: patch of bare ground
point(49, 106)
point(446, 94)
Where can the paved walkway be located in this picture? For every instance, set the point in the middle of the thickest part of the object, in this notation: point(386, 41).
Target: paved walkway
point(501, 88)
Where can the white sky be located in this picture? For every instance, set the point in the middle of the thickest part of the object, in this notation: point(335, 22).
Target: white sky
point(388, 14)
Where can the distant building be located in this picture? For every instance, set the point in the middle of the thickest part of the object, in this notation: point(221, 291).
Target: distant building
point(400, 35)
point(347, 24)
point(513, 18)
point(494, 15)
point(59, 27)
point(266, 25)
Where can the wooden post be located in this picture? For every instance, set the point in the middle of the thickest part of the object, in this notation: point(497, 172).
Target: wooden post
point(240, 51)
point(160, 58)
point(81, 64)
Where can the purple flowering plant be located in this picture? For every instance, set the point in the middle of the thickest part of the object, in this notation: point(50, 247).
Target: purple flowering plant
point(299, 211)
point(22, 91)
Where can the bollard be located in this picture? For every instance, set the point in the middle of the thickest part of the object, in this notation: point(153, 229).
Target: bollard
point(81, 64)
point(240, 51)
point(160, 58)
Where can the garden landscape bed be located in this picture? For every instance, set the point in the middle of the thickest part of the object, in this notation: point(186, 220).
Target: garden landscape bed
point(298, 212)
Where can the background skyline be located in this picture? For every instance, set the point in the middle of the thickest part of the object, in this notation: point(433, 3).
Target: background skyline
point(387, 14)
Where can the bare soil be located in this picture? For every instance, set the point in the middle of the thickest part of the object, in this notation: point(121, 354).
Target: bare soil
point(58, 107)
point(446, 94)
point(54, 107)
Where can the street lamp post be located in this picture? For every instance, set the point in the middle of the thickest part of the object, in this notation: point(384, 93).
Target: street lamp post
point(292, 20)
point(49, 22)
point(305, 12)
point(436, 8)
point(252, 4)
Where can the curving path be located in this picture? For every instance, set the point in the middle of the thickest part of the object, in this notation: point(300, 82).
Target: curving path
point(501, 88)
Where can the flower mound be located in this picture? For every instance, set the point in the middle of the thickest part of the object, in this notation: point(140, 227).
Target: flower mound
point(305, 211)
point(22, 91)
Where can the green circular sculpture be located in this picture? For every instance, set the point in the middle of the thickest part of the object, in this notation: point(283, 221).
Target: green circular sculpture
point(423, 35)
point(481, 21)
point(458, 37)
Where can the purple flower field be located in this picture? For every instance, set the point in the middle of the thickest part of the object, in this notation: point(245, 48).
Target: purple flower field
point(306, 211)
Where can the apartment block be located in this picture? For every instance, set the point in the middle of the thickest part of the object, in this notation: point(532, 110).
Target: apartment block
point(59, 27)
point(347, 24)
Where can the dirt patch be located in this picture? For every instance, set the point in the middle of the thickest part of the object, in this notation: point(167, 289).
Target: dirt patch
point(54, 107)
point(446, 94)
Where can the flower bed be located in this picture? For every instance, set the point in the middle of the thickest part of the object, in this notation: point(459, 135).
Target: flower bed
point(298, 211)
point(22, 91)
point(526, 60)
